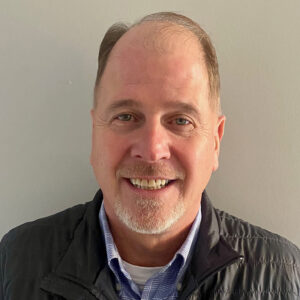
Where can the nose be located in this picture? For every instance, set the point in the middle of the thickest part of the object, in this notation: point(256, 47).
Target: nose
point(151, 143)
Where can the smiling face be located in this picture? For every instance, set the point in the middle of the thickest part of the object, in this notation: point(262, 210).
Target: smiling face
point(155, 137)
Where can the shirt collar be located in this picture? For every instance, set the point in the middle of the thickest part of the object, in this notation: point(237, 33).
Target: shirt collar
point(184, 251)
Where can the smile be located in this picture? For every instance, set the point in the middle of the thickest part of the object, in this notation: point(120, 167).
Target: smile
point(149, 184)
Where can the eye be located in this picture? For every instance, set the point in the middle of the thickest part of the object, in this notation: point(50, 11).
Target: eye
point(181, 124)
point(125, 120)
point(125, 117)
point(182, 121)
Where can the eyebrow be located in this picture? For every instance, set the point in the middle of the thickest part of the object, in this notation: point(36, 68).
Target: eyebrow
point(175, 105)
point(121, 104)
point(183, 106)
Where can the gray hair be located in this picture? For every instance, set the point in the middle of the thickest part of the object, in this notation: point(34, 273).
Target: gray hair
point(117, 30)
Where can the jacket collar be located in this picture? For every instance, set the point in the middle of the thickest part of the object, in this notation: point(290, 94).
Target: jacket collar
point(211, 252)
point(76, 274)
point(83, 267)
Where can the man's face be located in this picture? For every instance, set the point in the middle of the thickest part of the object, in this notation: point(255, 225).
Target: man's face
point(155, 136)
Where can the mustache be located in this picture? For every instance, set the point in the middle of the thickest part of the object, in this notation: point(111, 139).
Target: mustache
point(142, 169)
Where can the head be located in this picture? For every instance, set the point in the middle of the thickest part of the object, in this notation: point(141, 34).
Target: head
point(116, 31)
point(156, 122)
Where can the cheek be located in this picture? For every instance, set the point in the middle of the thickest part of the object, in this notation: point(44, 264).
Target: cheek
point(107, 151)
point(197, 159)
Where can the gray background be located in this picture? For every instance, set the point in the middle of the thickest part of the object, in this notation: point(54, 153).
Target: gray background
point(48, 56)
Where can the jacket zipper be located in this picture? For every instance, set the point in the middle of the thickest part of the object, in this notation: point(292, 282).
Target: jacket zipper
point(190, 296)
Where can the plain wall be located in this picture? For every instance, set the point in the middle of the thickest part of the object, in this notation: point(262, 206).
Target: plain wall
point(48, 60)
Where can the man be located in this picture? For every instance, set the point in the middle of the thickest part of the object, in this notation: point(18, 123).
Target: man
point(151, 232)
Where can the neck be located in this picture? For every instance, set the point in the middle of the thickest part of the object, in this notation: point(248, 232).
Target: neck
point(148, 250)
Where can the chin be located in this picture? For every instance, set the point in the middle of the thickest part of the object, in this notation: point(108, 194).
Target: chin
point(149, 217)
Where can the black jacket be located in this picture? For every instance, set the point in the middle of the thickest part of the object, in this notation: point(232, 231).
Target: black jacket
point(63, 257)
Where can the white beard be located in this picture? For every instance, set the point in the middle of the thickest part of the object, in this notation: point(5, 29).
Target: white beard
point(148, 218)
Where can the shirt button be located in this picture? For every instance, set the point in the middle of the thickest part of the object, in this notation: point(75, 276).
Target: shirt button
point(179, 286)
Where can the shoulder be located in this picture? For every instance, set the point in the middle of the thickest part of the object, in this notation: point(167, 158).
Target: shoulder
point(35, 249)
point(239, 232)
point(44, 229)
point(272, 260)
point(59, 225)
point(38, 246)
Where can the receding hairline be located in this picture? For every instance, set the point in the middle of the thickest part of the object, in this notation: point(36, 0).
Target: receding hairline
point(158, 34)
point(178, 24)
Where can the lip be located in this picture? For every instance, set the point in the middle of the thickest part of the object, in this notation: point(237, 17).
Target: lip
point(149, 177)
point(148, 193)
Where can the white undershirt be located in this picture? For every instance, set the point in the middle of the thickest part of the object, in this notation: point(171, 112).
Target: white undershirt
point(140, 275)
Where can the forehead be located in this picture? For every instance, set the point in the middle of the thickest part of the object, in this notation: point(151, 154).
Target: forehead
point(158, 38)
point(153, 54)
point(149, 42)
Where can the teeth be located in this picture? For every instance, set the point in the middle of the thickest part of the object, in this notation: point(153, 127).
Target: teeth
point(151, 184)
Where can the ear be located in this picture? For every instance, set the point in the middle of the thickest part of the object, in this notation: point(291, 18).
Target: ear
point(92, 113)
point(219, 131)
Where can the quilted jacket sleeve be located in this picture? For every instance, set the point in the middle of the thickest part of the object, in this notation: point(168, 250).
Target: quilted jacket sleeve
point(2, 264)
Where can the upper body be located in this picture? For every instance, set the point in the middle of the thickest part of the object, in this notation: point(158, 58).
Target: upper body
point(157, 128)
point(65, 258)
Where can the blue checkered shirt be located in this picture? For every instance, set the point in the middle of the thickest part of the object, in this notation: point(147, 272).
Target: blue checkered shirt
point(162, 285)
